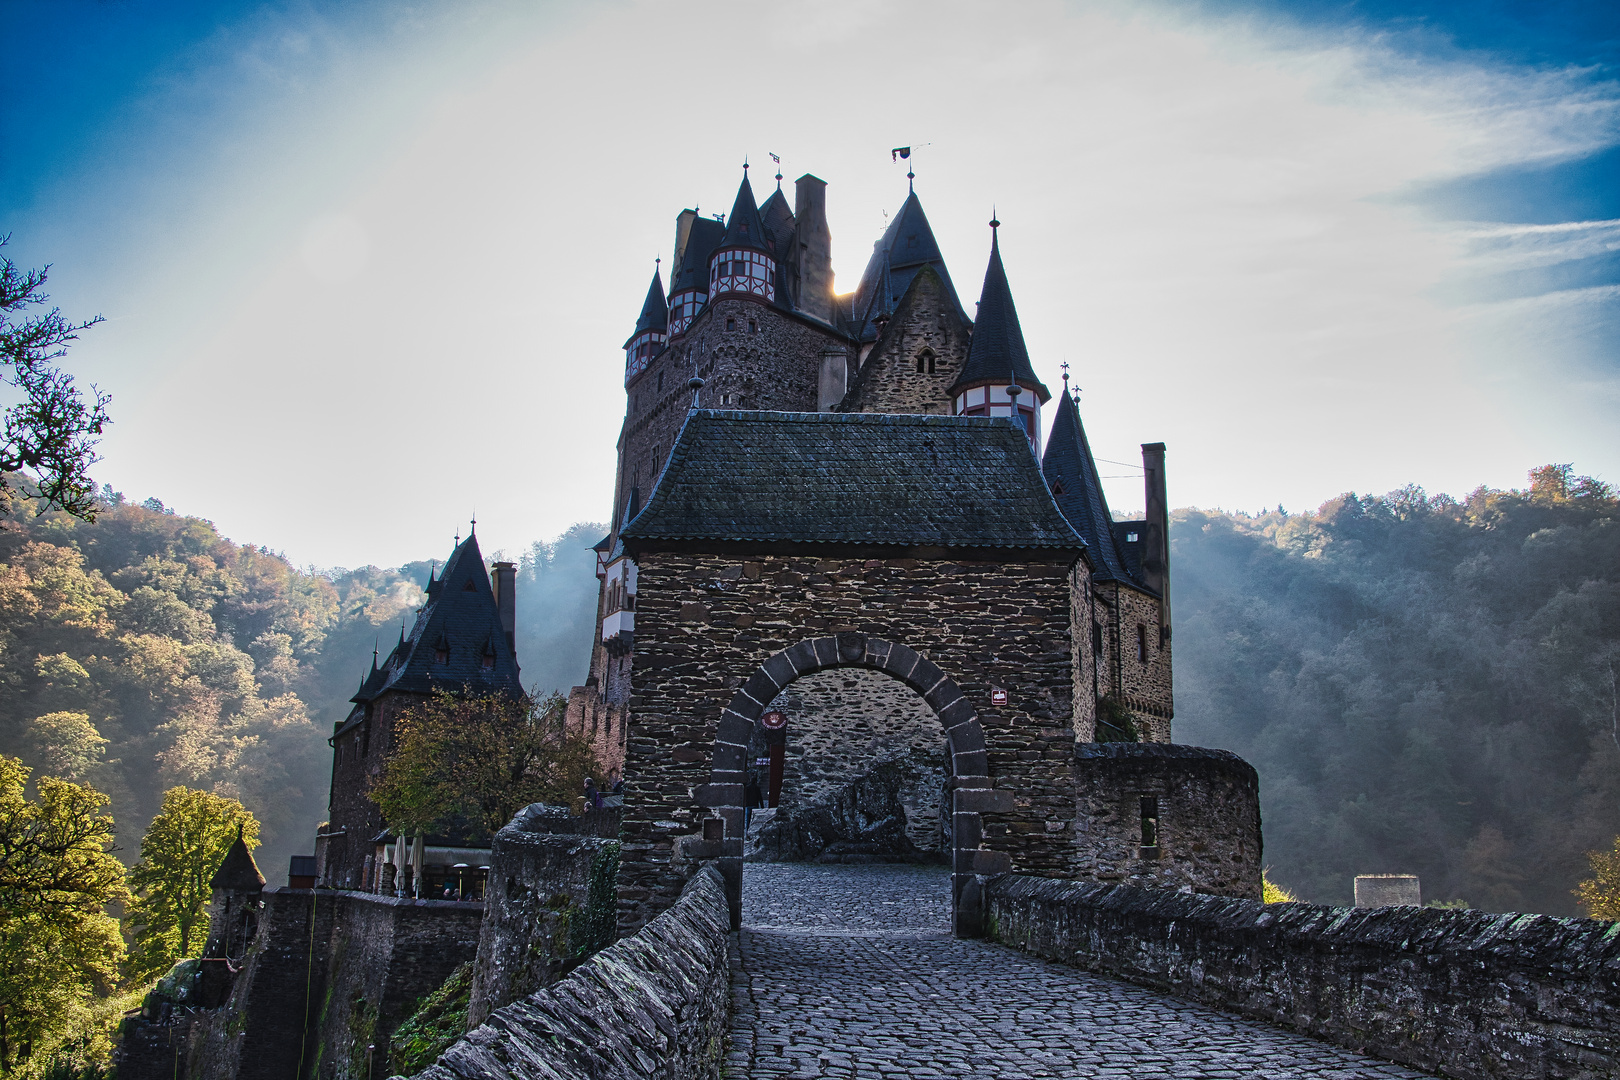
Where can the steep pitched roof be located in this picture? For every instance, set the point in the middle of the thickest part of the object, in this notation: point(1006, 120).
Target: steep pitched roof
point(1071, 473)
point(998, 350)
point(692, 271)
point(461, 619)
point(238, 872)
point(907, 246)
point(857, 478)
point(778, 218)
point(654, 310)
point(744, 228)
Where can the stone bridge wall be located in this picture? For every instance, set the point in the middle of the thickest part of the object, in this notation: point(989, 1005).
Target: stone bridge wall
point(654, 1005)
point(1463, 993)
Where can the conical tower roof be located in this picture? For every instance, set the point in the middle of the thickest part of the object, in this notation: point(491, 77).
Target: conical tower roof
point(1071, 474)
point(907, 246)
point(997, 351)
point(654, 312)
point(238, 873)
point(744, 228)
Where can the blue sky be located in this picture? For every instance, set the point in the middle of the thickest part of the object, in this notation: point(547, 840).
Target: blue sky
point(366, 266)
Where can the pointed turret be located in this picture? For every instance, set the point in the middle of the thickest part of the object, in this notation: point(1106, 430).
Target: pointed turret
point(997, 358)
point(651, 334)
point(1071, 473)
point(745, 261)
point(238, 873)
point(907, 246)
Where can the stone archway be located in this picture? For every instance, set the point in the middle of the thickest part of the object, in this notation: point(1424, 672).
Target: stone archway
point(971, 792)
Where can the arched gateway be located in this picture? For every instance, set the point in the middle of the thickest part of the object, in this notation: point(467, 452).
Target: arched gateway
point(971, 790)
point(775, 545)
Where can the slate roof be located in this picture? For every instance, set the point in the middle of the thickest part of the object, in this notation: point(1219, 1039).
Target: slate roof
point(861, 478)
point(744, 229)
point(693, 270)
point(238, 872)
point(997, 351)
point(1068, 466)
point(907, 246)
point(654, 311)
point(459, 616)
point(778, 218)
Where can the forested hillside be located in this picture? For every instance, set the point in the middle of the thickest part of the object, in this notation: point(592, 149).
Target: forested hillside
point(145, 650)
point(1425, 685)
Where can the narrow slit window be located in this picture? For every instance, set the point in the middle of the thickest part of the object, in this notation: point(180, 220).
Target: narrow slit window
point(1150, 821)
point(1141, 643)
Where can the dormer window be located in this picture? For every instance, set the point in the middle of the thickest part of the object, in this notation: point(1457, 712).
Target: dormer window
point(441, 655)
point(487, 661)
point(1130, 538)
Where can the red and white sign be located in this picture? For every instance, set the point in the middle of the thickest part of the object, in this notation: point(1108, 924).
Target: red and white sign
point(998, 696)
point(773, 721)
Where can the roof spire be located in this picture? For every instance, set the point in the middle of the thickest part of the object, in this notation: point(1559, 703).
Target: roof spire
point(994, 224)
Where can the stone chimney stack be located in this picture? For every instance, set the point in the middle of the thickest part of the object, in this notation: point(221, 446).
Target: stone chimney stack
point(504, 581)
point(1156, 531)
point(814, 247)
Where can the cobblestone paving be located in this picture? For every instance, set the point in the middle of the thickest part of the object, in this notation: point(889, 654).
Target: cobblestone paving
point(850, 971)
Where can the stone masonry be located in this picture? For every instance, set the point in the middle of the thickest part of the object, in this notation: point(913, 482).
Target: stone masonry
point(709, 623)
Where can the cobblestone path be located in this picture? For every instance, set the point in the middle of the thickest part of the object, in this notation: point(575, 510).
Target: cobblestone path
point(850, 971)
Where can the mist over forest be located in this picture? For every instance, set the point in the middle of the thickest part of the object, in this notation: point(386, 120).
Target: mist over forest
point(1426, 685)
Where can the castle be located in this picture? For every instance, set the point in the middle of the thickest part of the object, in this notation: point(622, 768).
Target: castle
point(751, 312)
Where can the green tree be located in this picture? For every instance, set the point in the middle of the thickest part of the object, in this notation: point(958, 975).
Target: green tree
point(1600, 893)
point(478, 760)
point(58, 946)
point(51, 432)
point(182, 849)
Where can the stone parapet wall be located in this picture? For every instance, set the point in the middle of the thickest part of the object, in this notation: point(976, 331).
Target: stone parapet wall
point(652, 1005)
point(1463, 993)
point(1206, 829)
point(536, 917)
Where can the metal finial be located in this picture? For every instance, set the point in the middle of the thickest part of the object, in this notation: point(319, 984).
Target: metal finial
point(694, 384)
point(745, 163)
point(474, 524)
point(1065, 373)
point(994, 224)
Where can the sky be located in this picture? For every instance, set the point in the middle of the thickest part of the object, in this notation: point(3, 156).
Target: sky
point(366, 267)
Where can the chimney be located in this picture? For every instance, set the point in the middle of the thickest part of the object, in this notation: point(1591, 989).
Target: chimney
point(1156, 530)
point(814, 247)
point(683, 233)
point(505, 583)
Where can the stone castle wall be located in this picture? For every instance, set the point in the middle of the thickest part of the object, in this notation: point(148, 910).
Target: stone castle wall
point(330, 974)
point(1463, 993)
point(1143, 687)
point(655, 1004)
point(1206, 825)
point(357, 760)
point(705, 624)
point(924, 325)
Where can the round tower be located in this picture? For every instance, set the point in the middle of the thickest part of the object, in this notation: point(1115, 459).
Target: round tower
point(998, 379)
point(744, 262)
point(651, 334)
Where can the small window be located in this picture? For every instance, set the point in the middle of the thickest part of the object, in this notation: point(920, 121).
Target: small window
point(489, 661)
point(660, 382)
point(1150, 821)
point(1130, 538)
point(1141, 643)
point(731, 324)
point(441, 655)
point(753, 326)
point(1096, 638)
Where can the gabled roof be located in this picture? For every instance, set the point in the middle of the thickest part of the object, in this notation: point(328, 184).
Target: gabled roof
point(459, 617)
point(852, 478)
point(744, 229)
point(907, 246)
point(692, 272)
point(238, 873)
point(1071, 473)
point(654, 310)
point(997, 351)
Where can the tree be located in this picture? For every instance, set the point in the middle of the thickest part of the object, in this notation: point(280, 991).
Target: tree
point(478, 760)
point(52, 431)
point(180, 852)
point(58, 946)
point(1600, 893)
